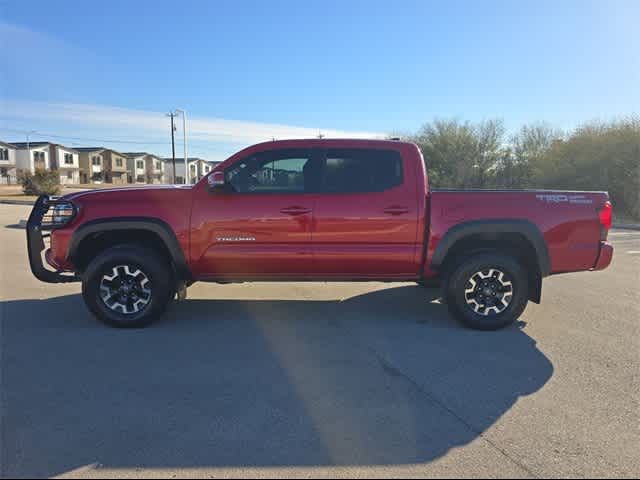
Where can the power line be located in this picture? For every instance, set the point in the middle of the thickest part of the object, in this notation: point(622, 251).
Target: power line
point(24, 132)
point(84, 139)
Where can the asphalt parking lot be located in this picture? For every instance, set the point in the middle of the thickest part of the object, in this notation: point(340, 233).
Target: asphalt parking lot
point(320, 380)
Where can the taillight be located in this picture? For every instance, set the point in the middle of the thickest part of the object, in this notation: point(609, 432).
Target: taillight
point(605, 215)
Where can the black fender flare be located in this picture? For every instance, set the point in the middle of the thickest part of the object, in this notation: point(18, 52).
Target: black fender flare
point(150, 224)
point(523, 227)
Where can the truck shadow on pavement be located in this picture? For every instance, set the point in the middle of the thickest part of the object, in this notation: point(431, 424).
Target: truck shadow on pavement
point(384, 378)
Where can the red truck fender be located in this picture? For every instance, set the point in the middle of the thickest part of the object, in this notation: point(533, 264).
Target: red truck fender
point(492, 228)
point(131, 224)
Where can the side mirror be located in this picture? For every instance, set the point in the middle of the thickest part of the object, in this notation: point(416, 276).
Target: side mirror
point(216, 181)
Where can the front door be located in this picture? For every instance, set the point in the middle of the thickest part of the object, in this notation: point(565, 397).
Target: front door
point(366, 216)
point(259, 226)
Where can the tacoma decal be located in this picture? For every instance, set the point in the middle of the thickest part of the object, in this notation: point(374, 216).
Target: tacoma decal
point(236, 239)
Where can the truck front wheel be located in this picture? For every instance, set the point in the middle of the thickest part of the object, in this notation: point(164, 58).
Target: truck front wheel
point(127, 286)
point(487, 291)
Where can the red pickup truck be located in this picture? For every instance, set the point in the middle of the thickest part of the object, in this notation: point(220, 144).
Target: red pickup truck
point(317, 210)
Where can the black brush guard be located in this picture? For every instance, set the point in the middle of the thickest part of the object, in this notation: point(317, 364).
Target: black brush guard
point(35, 241)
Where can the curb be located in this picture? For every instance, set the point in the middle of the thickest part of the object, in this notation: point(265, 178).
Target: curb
point(626, 226)
point(17, 202)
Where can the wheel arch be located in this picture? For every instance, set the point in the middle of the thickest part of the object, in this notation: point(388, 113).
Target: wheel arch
point(520, 238)
point(147, 231)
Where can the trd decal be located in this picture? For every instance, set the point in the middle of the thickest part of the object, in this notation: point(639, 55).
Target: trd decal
point(561, 198)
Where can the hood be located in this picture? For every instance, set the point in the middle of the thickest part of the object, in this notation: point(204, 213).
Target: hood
point(128, 191)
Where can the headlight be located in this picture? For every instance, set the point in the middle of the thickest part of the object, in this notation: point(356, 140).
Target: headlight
point(59, 214)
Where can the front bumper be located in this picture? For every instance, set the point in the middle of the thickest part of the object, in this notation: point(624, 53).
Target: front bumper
point(604, 259)
point(35, 244)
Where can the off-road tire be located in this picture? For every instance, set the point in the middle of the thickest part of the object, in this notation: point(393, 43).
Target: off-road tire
point(464, 282)
point(131, 265)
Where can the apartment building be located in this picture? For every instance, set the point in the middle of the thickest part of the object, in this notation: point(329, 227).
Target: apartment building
point(102, 165)
point(8, 172)
point(32, 156)
point(198, 168)
point(145, 167)
point(66, 161)
point(116, 167)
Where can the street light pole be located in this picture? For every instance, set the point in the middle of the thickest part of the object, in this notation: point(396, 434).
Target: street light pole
point(184, 139)
point(173, 145)
point(29, 149)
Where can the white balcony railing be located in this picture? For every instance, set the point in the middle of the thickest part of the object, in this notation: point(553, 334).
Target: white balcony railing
point(8, 180)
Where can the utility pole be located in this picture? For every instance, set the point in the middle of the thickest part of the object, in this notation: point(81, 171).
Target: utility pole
point(184, 139)
point(173, 146)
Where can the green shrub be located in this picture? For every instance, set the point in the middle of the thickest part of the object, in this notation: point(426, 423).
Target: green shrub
point(45, 182)
point(601, 155)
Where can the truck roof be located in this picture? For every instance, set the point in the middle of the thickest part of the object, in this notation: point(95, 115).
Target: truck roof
point(322, 143)
point(335, 142)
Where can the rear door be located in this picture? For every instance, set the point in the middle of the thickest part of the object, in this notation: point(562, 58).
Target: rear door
point(261, 225)
point(365, 215)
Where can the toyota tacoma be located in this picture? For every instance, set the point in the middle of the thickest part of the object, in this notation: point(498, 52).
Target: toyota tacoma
point(317, 210)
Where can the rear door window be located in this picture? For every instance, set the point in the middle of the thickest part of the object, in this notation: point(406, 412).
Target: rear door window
point(355, 170)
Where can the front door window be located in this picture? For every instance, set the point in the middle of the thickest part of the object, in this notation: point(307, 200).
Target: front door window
point(278, 171)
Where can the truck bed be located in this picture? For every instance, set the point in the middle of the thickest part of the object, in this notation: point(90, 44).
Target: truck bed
point(568, 220)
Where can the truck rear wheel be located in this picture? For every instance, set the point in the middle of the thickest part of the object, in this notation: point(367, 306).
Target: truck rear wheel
point(127, 286)
point(487, 291)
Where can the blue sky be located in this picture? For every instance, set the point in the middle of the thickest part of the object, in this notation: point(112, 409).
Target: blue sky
point(249, 71)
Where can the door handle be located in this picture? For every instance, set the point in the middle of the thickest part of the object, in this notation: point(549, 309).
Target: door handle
point(396, 210)
point(295, 210)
